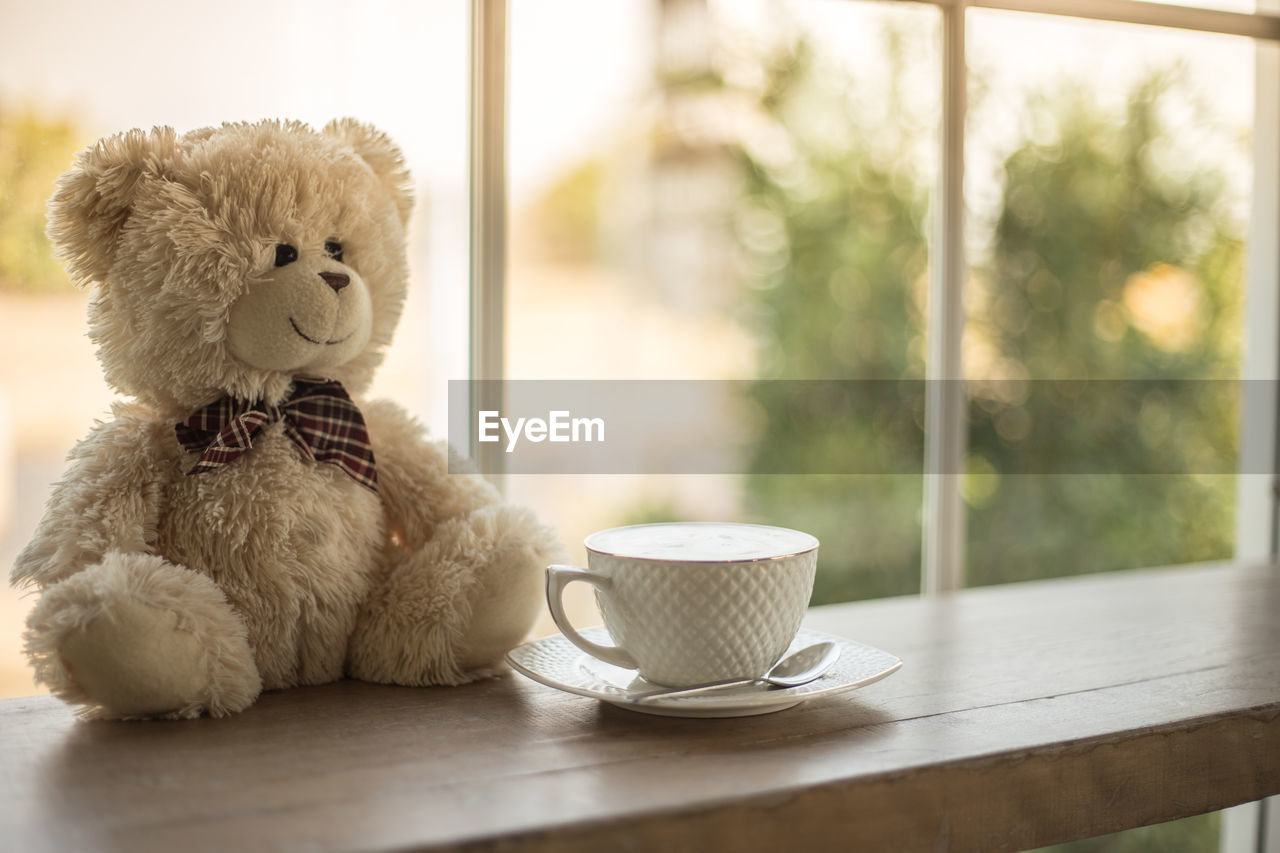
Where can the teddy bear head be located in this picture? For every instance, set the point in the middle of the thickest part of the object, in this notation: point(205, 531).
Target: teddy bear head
point(230, 260)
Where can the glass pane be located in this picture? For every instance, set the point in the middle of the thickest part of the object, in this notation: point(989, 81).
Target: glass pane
point(735, 191)
point(67, 82)
point(1109, 176)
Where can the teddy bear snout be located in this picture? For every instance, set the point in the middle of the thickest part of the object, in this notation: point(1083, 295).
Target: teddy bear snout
point(309, 314)
point(336, 280)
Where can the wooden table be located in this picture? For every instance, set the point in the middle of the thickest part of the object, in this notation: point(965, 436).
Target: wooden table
point(1024, 715)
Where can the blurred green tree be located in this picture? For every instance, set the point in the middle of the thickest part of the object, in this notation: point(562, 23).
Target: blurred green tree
point(34, 151)
point(1103, 266)
point(1106, 265)
point(834, 236)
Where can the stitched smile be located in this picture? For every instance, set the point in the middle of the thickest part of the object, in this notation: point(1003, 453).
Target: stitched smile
point(307, 337)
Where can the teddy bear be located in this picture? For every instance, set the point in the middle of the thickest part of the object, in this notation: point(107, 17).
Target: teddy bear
point(246, 521)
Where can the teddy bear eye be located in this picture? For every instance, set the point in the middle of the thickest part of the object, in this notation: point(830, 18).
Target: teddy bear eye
point(285, 254)
point(334, 249)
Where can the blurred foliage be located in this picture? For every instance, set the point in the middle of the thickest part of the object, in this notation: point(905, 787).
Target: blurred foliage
point(1106, 265)
point(34, 151)
point(651, 511)
point(834, 241)
point(1103, 265)
point(564, 220)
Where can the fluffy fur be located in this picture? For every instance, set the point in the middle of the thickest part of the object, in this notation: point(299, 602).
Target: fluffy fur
point(167, 595)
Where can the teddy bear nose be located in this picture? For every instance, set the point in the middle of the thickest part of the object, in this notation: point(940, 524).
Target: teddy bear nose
point(336, 280)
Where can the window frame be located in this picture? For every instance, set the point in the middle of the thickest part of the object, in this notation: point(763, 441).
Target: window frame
point(943, 522)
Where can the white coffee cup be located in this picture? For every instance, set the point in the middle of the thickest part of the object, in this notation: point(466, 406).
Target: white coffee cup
point(693, 602)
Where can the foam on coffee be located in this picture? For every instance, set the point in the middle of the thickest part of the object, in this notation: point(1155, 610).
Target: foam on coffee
point(701, 541)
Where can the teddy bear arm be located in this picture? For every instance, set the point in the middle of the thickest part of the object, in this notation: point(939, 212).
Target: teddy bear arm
point(418, 492)
point(108, 500)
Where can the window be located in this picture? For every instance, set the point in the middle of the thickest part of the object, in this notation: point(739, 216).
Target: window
point(753, 192)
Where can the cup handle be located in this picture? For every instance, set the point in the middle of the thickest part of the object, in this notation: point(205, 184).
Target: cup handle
point(558, 577)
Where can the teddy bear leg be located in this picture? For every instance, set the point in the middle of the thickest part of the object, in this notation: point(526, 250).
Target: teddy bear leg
point(135, 636)
point(448, 612)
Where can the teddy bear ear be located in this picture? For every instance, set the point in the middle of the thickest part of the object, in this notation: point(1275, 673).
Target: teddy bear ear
point(382, 155)
point(93, 200)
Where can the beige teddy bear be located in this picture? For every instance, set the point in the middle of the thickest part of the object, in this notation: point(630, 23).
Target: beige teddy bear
point(244, 525)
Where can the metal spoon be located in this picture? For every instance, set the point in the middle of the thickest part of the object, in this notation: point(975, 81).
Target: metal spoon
point(799, 667)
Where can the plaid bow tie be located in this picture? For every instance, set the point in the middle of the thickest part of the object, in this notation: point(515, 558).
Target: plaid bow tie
point(319, 416)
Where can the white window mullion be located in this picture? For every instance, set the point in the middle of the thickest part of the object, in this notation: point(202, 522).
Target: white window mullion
point(488, 203)
point(945, 421)
point(1256, 499)
point(1255, 827)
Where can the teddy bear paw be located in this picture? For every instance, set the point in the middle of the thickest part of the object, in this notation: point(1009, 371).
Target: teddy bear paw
point(135, 663)
point(135, 636)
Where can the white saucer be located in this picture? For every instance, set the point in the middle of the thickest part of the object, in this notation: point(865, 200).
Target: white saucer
point(556, 662)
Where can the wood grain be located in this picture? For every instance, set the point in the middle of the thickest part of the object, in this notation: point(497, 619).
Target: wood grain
point(1024, 715)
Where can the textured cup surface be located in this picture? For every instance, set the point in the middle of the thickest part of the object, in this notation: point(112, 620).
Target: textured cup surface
point(729, 609)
